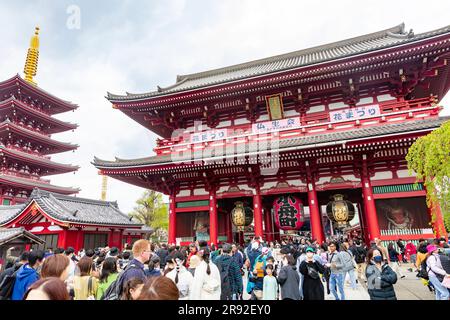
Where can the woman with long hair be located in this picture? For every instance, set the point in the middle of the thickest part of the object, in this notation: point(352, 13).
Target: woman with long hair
point(159, 288)
point(289, 279)
point(181, 276)
point(206, 283)
point(436, 273)
point(84, 285)
point(108, 275)
point(132, 289)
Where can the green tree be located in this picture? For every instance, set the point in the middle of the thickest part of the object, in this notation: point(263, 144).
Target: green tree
point(429, 158)
point(151, 211)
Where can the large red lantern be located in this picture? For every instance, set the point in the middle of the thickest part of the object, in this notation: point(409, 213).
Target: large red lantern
point(289, 214)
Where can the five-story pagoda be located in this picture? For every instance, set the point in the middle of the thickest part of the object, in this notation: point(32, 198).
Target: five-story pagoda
point(26, 127)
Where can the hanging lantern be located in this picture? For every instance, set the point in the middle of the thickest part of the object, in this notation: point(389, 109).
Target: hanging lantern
point(289, 214)
point(241, 216)
point(340, 211)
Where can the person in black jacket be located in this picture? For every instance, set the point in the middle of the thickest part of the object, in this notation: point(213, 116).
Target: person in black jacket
point(311, 269)
point(380, 277)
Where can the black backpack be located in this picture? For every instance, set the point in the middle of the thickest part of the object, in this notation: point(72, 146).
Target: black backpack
point(114, 291)
point(423, 273)
point(360, 256)
point(226, 293)
point(7, 286)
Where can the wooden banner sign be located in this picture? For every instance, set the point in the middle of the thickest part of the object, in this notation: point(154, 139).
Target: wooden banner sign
point(275, 106)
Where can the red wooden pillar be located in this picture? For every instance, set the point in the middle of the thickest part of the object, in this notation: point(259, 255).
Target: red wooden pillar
point(370, 210)
point(213, 220)
point(257, 213)
point(62, 239)
point(268, 224)
point(439, 226)
point(315, 215)
point(172, 220)
point(79, 242)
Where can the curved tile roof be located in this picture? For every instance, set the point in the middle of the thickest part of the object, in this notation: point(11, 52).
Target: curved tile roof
point(328, 52)
point(9, 234)
point(69, 209)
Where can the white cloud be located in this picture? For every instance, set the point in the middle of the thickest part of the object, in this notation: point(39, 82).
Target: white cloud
point(135, 45)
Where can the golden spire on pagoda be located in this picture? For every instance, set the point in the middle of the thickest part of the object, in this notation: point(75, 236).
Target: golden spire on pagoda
point(32, 58)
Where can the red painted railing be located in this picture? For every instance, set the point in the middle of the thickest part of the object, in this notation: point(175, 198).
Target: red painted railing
point(391, 111)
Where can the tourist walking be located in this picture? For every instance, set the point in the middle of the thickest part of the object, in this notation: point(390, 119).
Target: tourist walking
point(108, 275)
point(132, 289)
point(380, 277)
point(336, 265)
point(159, 288)
point(436, 273)
point(394, 260)
point(27, 274)
point(270, 284)
point(206, 284)
point(349, 265)
point(181, 276)
point(84, 285)
point(230, 273)
point(312, 284)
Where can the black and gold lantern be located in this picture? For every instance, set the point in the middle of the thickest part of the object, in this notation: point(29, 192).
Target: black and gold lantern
point(241, 216)
point(340, 211)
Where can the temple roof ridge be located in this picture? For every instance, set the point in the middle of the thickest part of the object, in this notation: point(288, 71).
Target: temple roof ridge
point(22, 81)
point(379, 40)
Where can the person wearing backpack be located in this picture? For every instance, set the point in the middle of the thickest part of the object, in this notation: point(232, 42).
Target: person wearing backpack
point(258, 273)
point(230, 274)
point(206, 284)
point(436, 273)
point(27, 274)
point(8, 277)
point(349, 265)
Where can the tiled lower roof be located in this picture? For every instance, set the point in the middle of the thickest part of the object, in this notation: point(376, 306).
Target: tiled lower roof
point(312, 140)
point(31, 184)
point(73, 210)
point(9, 234)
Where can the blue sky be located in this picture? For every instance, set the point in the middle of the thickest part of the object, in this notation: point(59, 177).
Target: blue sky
point(136, 45)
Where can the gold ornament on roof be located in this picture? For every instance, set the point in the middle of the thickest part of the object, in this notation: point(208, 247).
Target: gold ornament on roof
point(32, 58)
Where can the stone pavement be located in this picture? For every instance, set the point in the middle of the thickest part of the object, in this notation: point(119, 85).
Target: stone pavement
point(408, 288)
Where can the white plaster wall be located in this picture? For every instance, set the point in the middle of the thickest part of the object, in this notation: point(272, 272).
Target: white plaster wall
point(405, 174)
point(296, 182)
point(241, 121)
point(365, 100)
point(184, 193)
point(200, 191)
point(315, 109)
point(291, 113)
point(385, 97)
point(382, 175)
point(224, 124)
point(337, 105)
point(351, 177)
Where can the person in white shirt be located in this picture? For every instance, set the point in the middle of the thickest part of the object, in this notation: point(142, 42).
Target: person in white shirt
point(206, 283)
point(181, 276)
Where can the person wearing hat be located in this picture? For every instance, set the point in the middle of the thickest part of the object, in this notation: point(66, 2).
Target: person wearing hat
point(436, 273)
point(113, 252)
point(310, 268)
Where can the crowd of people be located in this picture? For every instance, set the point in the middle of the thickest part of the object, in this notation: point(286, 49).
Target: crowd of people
point(299, 269)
